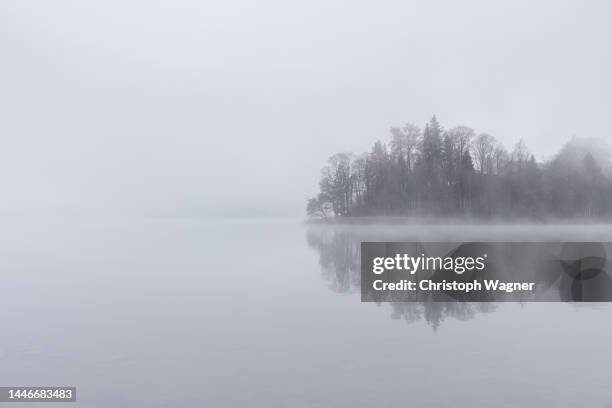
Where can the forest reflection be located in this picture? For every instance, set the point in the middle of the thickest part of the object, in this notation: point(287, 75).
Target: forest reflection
point(339, 253)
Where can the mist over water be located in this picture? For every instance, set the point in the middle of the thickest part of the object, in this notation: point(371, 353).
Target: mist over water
point(253, 312)
point(125, 124)
point(142, 111)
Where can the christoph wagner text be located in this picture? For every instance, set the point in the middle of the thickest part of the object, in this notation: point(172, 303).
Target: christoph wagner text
point(412, 264)
point(428, 285)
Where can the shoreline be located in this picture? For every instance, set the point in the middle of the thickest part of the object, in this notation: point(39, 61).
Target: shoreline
point(447, 221)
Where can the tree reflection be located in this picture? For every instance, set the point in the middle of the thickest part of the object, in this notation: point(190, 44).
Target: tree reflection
point(562, 272)
point(339, 257)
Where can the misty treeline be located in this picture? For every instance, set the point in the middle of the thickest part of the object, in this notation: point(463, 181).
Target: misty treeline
point(457, 172)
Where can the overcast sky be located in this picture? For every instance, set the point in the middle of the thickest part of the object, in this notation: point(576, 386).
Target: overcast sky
point(231, 108)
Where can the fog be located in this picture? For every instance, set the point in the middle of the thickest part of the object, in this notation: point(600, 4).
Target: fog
point(231, 108)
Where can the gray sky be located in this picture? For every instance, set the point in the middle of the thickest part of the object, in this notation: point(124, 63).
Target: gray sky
point(196, 107)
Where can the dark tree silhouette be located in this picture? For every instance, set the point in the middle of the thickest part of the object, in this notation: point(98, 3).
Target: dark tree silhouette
point(456, 173)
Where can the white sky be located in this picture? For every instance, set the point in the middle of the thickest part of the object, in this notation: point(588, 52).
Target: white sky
point(231, 108)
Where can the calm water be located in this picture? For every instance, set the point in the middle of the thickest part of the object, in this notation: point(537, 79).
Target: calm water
point(188, 313)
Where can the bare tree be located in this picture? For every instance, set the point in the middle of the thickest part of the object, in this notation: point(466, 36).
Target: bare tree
point(336, 184)
point(404, 141)
point(462, 137)
point(520, 154)
point(500, 158)
point(483, 149)
point(317, 207)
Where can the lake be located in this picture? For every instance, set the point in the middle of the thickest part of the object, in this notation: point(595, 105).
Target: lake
point(267, 313)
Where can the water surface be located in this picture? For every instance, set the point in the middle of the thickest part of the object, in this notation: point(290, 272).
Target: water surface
point(186, 312)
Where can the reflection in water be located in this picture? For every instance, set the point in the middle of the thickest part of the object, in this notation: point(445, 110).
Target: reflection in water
point(339, 254)
point(339, 257)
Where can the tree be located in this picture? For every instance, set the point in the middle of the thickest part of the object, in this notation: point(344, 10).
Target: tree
point(336, 183)
point(431, 144)
point(377, 175)
point(594, 186)
point(484, 146)
point(358, 179)
point(500, 158)
point(465, 179)
point(462, 137)
point(520, 154)
point(430, 174)
point(317, 207)
point(404, 142)
point(450, 158)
